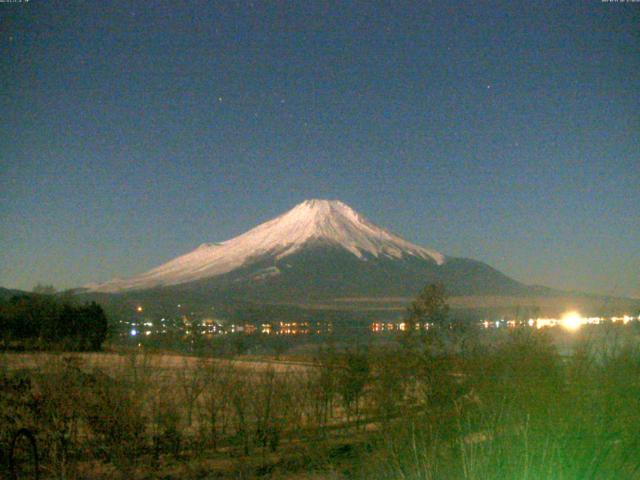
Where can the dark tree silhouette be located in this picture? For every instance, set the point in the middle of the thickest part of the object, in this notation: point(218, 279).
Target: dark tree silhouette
point(429, 307)
point(40, 321)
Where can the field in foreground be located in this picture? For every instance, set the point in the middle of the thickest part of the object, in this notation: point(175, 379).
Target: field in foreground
point(441, 406)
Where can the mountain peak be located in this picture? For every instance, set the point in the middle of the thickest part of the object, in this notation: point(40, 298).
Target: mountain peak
point(320, 210)
point(320, 207)
point(321, 202)
point(330, 222)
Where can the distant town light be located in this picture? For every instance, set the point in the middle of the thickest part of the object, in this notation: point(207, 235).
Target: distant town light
point(133, 332)
point(139, 308)
point(571, 320)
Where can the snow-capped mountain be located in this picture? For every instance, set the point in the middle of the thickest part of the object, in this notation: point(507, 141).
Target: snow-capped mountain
point(319, 249)
point(328, 222)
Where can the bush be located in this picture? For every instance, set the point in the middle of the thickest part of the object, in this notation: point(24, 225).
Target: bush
point(41, 321)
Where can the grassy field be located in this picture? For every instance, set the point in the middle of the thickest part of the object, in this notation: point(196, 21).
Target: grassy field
point(449, 405)
point(114, 362)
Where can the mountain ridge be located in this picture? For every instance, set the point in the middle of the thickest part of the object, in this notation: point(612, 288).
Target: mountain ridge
point(326, 221)
point(319, 253)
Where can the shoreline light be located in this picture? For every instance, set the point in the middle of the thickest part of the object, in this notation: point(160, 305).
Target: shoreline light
point(571, 320)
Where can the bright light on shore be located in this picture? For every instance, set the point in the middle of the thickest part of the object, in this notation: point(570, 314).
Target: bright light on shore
point(571, 320)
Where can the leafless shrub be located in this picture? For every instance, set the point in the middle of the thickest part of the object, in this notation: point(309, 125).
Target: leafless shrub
point(116, 418)
point(192, 381)
point(214, 411)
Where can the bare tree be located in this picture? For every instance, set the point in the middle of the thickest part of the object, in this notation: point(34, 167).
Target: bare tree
point(387, 383)
point(192, 383)
point(272, 405)
point(215, 400)
point(239, 401)
point(352, 378)
point(429, 308)
point(322, 386)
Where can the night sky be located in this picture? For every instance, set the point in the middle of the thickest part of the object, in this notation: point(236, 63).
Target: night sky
point(508, 132)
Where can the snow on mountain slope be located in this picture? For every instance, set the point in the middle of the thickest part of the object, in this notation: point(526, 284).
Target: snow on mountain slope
point(326, 221)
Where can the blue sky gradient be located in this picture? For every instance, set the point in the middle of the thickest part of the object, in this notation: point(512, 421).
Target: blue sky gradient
point(507, 132)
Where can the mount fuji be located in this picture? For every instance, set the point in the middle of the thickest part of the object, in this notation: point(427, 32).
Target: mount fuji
point(318, 249)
